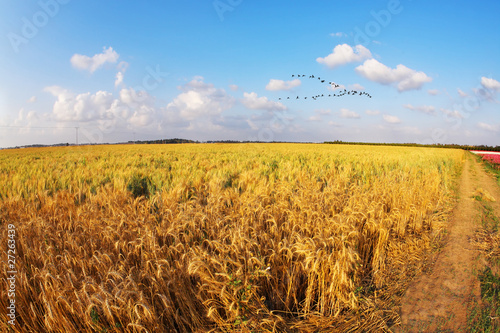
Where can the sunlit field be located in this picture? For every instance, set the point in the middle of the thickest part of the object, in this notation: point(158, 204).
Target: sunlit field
point(222, 238)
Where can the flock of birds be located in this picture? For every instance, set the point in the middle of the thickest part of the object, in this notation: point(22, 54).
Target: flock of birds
point(334, 86)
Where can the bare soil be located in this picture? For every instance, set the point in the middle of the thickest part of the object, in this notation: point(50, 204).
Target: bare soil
point(437, 300)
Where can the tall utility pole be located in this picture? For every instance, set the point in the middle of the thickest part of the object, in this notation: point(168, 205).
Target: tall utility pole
point(76, 128)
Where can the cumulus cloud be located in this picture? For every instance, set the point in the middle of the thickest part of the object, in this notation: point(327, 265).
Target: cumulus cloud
point(403, 77)
point(199, 99)
point(372, 112)
point(132, 107)
point(391, 119)
point(23, 117)
point(253, 102)
point(32, 99)
point(344, 54)
point(433, 92)
point(275, 85)
point(233, 87)
point(346, 113)
point(93, 63)
point(427, 109)
point(491, 84)
point(197, 109)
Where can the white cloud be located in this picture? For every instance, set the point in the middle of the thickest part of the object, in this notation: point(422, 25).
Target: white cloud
point(122, 68)
point(346, 113)
point(91, 64)
point(338, 34)
point(372, 112)
point(433, 92)
point(491, 84)
point(391, 119)
point(410, 130)
point(253, 102)
point(461, 93)
point(32, 99)
point(275, 85)
point(333, 88)
point(344, 54)
point(233, 87)
point(135, 108)
point(119, 79)
point(488, 127)
point(323, 112)
point(334, 124)
point(403, 77)
point(200, 99)
point(318, 113)
point(452, 113)
point(24, 116)
point(356, 86)
point(427, 109)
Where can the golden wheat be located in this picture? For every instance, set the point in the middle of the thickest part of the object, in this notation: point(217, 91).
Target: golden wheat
point(247, 237)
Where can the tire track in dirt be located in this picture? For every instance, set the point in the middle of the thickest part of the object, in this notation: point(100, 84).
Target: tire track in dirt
point(437, 300)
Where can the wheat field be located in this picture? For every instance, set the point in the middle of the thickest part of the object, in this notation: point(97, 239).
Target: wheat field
point(219, 237)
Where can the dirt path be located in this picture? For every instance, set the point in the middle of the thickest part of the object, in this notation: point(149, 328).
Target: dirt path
point(437, 300)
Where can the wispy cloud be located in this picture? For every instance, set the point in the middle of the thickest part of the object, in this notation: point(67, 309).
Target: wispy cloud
point(452, 113)
point(356, 86)
point(338, 34)
point(93, 63)
point(275, 85)
point(488, 127)
point(372, 112)
point(346, 113)
point(427, 109)
point(391, 119)
point(461, 92)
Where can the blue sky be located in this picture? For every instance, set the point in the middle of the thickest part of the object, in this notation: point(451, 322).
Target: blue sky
point(215, 70)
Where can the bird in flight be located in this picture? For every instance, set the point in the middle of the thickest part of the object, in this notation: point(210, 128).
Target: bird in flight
point(332, 85)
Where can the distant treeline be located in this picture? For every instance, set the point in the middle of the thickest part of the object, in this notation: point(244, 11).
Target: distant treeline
point(437, 145)
point(164, 141)
point(179, 141)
